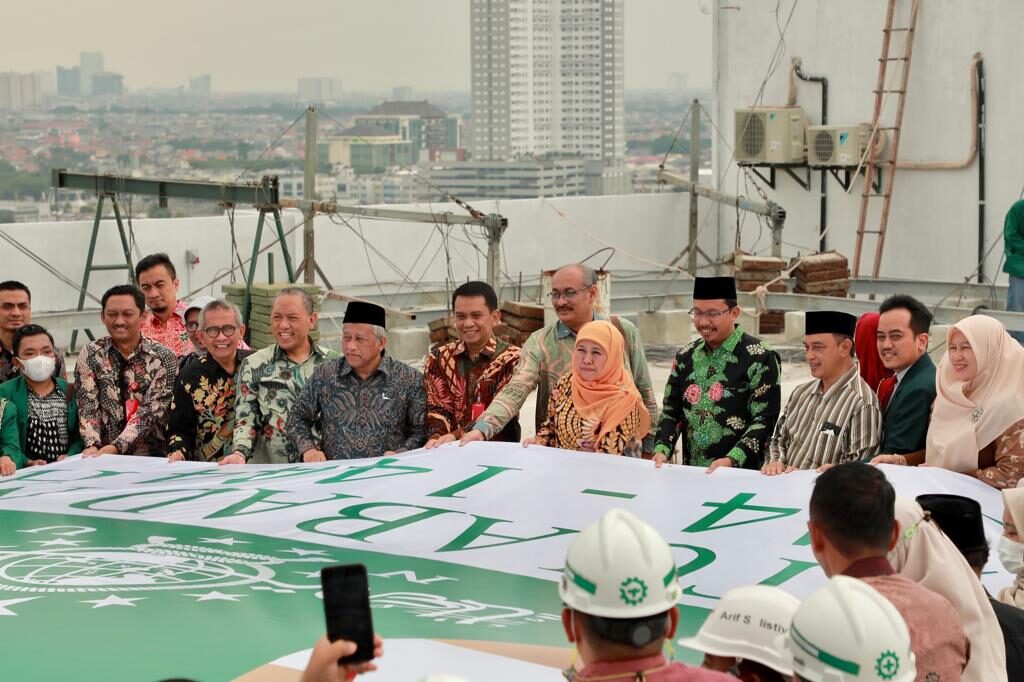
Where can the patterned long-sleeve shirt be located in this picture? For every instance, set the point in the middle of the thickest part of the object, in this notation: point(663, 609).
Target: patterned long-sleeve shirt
point(172, 333)
point(106, 380)
point(454, 381)
point(1001, 463)
point(203, 410)
point(841, 425)
point(9, 371)
point(545, 357)
point(269, 383)
point(566, 428)
point(359, 417)
point(725, 401)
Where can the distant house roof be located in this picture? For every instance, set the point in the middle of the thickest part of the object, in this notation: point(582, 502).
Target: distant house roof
point(423, 108)
point(367, 130)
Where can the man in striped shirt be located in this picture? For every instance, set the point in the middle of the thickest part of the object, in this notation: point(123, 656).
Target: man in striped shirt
point(833, 419)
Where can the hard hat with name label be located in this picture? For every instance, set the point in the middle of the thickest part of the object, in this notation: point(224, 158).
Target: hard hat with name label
point(848, 632)
point(747, 624)
point(619, 567)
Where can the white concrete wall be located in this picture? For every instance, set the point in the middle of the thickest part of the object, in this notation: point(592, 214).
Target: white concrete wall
point(933, 227)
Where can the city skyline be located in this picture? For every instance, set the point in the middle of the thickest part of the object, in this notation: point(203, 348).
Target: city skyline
point(662, 38)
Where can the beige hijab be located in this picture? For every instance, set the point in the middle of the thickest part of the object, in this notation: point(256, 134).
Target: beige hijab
point(960, 425)
point(924, 554)
point(1013, 500)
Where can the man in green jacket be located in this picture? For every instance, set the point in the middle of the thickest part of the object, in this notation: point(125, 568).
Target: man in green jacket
point(1013, 244)
point(39, 418)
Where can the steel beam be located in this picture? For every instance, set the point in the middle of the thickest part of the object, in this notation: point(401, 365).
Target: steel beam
point(264, 192)
point(427, 217)
point(926, 290)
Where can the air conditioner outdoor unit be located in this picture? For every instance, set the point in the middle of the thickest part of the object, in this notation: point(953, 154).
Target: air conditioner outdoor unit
point(838, 146)
point(771, 135)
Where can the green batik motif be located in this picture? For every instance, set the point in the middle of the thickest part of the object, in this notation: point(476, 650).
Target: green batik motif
point(704, 391)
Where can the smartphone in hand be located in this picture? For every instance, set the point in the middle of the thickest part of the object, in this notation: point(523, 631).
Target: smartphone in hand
point(347, 608)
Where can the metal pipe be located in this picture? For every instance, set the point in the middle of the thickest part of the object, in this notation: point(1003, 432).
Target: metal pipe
point(823, 181)
point(691, 263)
point(980, 104)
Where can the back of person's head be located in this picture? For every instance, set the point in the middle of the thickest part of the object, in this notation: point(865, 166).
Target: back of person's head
point(619, 584)
point(153, 260)
point(920, 316)
point(746, 624)
point(475, 289)
point(848, 631)
point(853, 505)
point(960, 519)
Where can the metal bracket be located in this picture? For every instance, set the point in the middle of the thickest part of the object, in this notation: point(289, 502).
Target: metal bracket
point(847, 178)
point(788, 169)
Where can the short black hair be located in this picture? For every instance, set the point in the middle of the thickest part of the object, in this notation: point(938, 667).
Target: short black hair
point(153, 260)
point(26, 331)
point(732, 302)
point(125, 290)
point(976, 559)
point(14, 285)
point(920, 317)
point(473, 289)
point(633, 633)
point(855, 506)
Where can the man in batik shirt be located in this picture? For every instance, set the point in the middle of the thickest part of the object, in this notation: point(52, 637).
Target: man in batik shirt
point(124, 382)
point(462, 377)
point(203, 408)
point(723, 394)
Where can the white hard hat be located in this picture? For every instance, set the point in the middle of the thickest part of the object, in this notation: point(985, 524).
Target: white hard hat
point(619, 567)
point(747, 624)
point(848, 631)
point(199, 302)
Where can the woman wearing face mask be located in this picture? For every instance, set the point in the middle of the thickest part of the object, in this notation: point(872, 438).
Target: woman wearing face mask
point(596, 407)
point(977, 424)
point(1011, 545)
point(40, 405)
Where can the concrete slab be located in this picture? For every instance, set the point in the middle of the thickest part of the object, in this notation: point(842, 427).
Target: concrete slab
point(665, 327)
point(408, 343)
point(796, 325)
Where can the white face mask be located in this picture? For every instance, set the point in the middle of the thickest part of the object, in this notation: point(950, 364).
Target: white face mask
point(39, 368)
point(1011, 554)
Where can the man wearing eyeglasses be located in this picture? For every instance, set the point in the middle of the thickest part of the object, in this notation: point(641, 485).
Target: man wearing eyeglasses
point(547, 355)
point(202, 418)
point(195, 335)
point(723, 394)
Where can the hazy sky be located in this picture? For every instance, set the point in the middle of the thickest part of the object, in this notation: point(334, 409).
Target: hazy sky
point(266, 44)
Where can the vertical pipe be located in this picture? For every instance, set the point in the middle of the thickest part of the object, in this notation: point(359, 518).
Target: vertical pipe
point(981, 170)
point(309, 194)
point(823, 209)
point(691, 264)
point(270, 268)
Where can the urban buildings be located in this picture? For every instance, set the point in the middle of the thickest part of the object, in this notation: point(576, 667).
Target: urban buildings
point(201, 86)
point(368, 148)
point(69, 81)
point(512, 179)
point(424, 125)
point(547, 77)
point(90, 65)
point(316, 90)
point(20, 91)
point(107, 83)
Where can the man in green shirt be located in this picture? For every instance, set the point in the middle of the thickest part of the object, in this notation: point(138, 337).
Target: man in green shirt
point(1013, 244)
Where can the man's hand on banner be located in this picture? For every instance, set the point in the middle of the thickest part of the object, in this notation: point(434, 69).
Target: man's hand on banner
point(435, 442)
point(775, 468)
point(720, 462)
point(471, 436)
point(176, 456)
point(7, 466)
point(314, 455)
point(233, 458)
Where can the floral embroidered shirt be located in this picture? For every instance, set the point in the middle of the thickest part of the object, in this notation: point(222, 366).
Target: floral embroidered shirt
point(724, 401)
point(171, 333)
point(454, 382)
point(269, 382)
point(203, 410)
point(123, 401)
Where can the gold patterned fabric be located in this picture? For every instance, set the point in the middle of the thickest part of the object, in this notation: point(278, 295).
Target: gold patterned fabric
point(565, 428)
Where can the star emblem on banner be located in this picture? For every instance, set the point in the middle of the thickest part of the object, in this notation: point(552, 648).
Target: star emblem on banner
point(224, 541)
point(59, 542)
point(304, 552)
point(113, 600)
point(216, 596)
point(4, 611)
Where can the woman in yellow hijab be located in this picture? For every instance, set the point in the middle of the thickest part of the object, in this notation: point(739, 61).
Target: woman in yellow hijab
point(596, 407)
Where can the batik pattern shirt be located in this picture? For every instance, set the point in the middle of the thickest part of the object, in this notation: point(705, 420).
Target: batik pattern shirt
point(545, 357)
point(106, 381)
point(566, 428)
point(841, 425)
point(9, 371)
point(269, 382)
point(46, 433)
point(356, 417)
point(171, 333)
point(454, 381)
point(724, 401)
point(202, 419)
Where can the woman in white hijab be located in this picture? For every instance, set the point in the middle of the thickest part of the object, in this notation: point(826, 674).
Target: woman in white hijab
point(977, 424)
point(925, 555)
point(1010, 548)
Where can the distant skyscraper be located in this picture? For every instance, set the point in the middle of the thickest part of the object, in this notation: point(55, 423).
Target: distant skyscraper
point(107, 84)
point(314, 90)
point(402, 93)
point(69, 81)
point(89, 64)
point(547, 77)
point(201, 86)
point(20, 91)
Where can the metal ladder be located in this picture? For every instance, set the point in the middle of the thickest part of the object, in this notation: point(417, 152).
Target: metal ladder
point(872, 163)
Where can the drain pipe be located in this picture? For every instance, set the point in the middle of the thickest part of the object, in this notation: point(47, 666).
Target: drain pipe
point(980, 71)
point(823, 211)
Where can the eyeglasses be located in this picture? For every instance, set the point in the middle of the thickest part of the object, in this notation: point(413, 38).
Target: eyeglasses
point(568, 294)
point(707, 314)
point(191, 326)
point(214, 332)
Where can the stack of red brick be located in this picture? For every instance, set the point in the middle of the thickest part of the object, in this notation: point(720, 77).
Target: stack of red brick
point(518, 320)
point(754, 271)
point(823, 274)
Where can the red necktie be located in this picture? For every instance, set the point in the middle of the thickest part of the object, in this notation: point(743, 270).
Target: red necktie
point(885, 391)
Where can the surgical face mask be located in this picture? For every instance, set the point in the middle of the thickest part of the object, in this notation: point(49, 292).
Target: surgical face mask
point(1011, 554)
point(39, 368)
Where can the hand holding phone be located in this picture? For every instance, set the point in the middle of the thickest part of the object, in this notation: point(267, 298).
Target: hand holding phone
point(347, 609)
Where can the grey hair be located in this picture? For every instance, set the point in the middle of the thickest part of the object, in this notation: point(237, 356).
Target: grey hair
point(588, 273)
point(219, 304)
point(378, 331)
point(307, 299)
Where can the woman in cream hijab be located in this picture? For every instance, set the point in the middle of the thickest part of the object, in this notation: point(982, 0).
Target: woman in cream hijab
point(1010, 549)
point(977, 424)
point(925, 555)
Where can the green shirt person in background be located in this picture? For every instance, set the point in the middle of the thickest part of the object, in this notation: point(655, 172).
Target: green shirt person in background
point(1013, 244)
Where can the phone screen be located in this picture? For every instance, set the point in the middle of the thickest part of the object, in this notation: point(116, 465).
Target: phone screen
point(347, 608)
